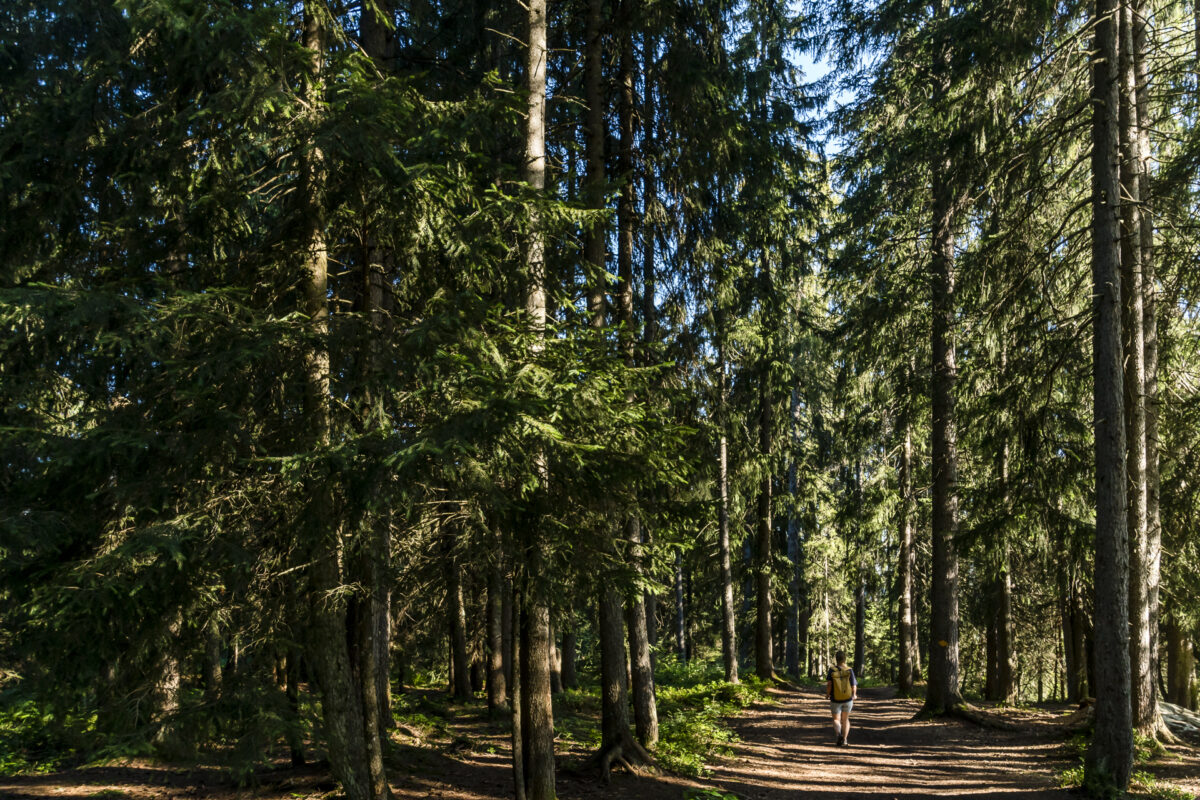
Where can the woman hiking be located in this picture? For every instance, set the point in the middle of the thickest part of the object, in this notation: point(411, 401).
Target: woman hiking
point(841, 689)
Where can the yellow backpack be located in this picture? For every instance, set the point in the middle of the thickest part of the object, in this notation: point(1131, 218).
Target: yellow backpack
point(841, 685)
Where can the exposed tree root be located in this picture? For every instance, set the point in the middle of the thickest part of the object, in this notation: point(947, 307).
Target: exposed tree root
point(973, 715)
point(627, 752)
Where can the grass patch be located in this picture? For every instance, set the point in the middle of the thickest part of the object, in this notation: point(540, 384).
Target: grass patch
point(1145, 783)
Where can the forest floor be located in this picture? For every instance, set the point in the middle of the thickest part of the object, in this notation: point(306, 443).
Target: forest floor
point(784, 749)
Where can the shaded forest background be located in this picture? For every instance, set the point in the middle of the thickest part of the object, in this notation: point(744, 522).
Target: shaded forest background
point(352, 346)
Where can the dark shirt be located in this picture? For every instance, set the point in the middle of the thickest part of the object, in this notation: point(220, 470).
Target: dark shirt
point(829, 679)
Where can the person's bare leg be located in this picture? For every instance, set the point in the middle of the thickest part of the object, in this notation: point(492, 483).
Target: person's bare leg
point(837, 726)
point(846, 727)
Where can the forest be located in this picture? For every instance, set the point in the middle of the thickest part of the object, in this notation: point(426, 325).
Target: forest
point(367, 361)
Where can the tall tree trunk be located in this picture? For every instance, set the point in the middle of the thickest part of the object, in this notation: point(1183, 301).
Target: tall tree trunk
point(1180, 663)
point(555, 663)
point(536, 706)
point(570, 647)
point(764, 661)
point(1150, 334)
point(1142, 686)
point(795, 574)
point(728, 616)
point(860, 625)
point(943, 685)
point(292, 694)
point(907, 563)
point(507, 622)
point(457, 619)
point(517, 703)
point(168, 735)
point(644, 706)
point(212, 662)
point(1110, 756)
point(594, 135)
point(1005, 653)
point(497, 683)
point(649, 283)
point(645, 709)
point(333, 666)
point(680, 610)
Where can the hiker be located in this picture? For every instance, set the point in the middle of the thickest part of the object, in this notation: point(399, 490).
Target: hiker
point(841, 689)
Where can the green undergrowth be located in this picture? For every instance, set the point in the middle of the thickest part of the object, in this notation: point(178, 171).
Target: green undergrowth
point(692, 722)
point(1141, 783)
point(35, 740)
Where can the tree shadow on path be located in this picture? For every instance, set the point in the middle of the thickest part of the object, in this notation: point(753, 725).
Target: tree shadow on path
point(788, 751)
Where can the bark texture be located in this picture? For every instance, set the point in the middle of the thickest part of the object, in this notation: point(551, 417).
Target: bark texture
point(1110, 757)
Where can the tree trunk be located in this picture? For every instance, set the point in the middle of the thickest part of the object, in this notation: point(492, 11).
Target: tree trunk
point(860, 626)
point(796, 572)
point(1110, 757)
point(645, 710)
point(457, 614)
point(212, 662)
point(333, 667)
point(728, 617)
point(1150, 334)
point(1180, 663)
point(764, 661)
point(1005, 653)
point(680, 610)
point(497, 683)
point(555, 664)
point(907, 563)
point(535, 705)
point(594, 135)
point(570, 646)
point(943, 687)
point(292, 694)
point(1142, 686)
point(517, 703)
point(614, 712)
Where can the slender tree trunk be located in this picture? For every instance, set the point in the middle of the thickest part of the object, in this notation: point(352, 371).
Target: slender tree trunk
point(680, 610)
point(728, 617)
point(649, 324)
point(1110, 757)
point(991, 657)
point(497, 683)
point(555, 664)
point(594, 135)
point(517, 703)
point(795, 574)
point(537, 725)
point(507, 621)
point(167, 736)
point(860, 626)
point(764, 660)
point(943, 687)
point(645, 710)
point(570, 647)
point(212, 662)
point(457, 614)
point(1134, 379)
point(907, 559)
point(331, 659)
point(292, 694)
point(1150, 334)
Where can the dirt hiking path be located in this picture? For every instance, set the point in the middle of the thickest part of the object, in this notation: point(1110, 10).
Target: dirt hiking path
point(786, 751)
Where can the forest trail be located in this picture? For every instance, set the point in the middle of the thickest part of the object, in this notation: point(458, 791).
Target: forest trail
point(787, 750)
